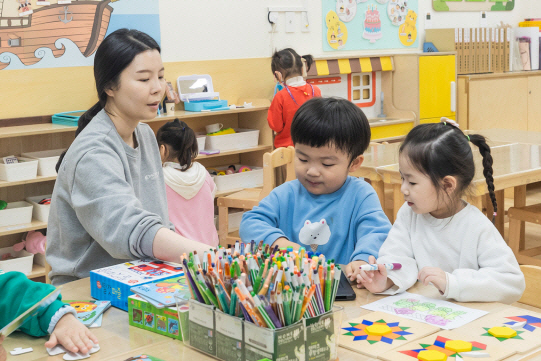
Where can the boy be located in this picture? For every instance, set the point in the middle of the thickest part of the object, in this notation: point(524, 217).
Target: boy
point(324, 209)
point(58, 319)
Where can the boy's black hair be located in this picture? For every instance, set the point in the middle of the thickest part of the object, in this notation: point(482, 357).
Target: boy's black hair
point(180, 141)
point(441, 149)
point(332, 121)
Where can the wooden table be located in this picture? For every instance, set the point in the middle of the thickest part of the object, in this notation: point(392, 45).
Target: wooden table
point(119, 340)
point(515, 166)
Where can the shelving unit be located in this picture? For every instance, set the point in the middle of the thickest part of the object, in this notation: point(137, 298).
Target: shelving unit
point(38, 137)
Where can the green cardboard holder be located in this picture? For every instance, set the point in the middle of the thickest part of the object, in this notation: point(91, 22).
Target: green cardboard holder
point(224, 337)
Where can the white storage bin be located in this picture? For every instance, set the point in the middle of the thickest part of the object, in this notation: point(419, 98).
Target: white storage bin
point(234, 220)
point(27, 168)
point(40, 211)
point(243, 138)
point(251, 179)
point(47, 160)
point(22, 262)
point(16, 213)
point(39, 259)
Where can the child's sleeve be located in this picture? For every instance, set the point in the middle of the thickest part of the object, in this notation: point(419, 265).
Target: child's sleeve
point(275, 115)
point(19, 294)
point(372, 229)
point(108, 209)
point(498, 279)
point(262, 222)
point(397, 248)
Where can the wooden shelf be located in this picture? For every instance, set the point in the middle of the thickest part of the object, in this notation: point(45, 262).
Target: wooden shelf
point(37, 271)
point(20, 228)
point(38, 179)
point(185, 114)
point(236, 151)
point(34, 129)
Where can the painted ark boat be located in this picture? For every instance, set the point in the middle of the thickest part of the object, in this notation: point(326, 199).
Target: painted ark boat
point(24, 30)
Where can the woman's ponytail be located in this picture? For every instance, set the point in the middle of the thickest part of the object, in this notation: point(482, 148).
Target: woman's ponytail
point(488, 172)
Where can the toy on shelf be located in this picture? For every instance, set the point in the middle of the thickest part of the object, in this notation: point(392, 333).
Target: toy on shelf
point(222, 132)
point(230, 170)
point(3, 204)
point(198, 95)
point(34, 242)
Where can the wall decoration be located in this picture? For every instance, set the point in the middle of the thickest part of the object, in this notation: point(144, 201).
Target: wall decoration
point(346, 9)
point(371, 24)
point(61, 33)
point(473, 5)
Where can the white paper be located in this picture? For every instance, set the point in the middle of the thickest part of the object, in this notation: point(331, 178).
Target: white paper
point(443, 314)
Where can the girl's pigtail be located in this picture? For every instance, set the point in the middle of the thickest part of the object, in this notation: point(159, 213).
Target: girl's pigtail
point(488, 172)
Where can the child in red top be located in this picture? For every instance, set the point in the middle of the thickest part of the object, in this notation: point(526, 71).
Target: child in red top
point(289, 68)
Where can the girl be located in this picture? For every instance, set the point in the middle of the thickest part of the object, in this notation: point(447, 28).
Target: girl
point(109, 202)
point(289, 69)
point(437, 237)
point(188, 184)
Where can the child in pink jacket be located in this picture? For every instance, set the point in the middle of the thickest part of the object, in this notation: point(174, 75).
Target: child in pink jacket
point(189, 187)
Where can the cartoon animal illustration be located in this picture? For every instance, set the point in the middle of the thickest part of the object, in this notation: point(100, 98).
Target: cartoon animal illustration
point(161, 323)
point(149, 319)
point(315, 234)
point(82, 307)
point(173, 327)
point(137, 315)
point(407, 32)
point(333, 22)
point(24, 6)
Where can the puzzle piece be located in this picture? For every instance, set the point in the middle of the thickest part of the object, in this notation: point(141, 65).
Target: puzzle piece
point(502, 332)
point(476, 354)
point(458, 346)
point(20, 351)
point(431, 355)
point(58, 349)
point(378, 330)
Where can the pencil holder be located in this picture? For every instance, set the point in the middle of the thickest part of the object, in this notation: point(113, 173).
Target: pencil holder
point(229, 338)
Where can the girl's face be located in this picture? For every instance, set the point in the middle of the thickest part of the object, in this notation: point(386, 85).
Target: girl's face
point(141, 88)
point(420, 193)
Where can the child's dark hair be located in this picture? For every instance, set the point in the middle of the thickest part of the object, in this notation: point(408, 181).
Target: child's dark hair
point(442, 149)
point(180, 141)
point(289, 63)
point(115, 53)
point(331, 121)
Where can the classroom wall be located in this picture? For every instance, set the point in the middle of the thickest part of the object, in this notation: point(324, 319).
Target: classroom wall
point(241, 30)
point(196, 30)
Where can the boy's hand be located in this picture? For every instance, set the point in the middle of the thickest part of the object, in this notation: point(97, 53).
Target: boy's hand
point(352, 272)
point(3, 353)
point(284, 242)
point(375, 281)
point(72, 334)
point(436, 276)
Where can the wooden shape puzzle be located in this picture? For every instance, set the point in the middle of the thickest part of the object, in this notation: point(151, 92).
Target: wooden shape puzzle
point(431, 355)
point(438, 341)
point(458, 346)
point(377, 332)
point(528, 335)
point(502, 332)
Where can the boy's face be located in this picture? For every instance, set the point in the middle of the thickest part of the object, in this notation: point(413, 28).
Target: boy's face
point(323, 170)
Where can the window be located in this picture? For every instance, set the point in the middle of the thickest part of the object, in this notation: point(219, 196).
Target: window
point(361, 89)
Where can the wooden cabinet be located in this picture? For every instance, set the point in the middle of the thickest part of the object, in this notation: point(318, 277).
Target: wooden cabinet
point(28, 138)
point(506, 101)
point(437, 77)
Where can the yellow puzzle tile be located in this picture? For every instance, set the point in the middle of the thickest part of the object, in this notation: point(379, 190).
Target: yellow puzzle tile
point(458, 346)
point(431, 355)
point(502, 332)
point(378, 330)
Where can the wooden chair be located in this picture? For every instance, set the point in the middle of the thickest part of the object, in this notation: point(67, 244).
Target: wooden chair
point(517, 217)
point(249, 198)
point(532, 294)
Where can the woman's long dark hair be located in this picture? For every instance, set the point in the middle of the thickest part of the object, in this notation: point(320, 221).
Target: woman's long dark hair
point(180, 141)
point(115, 53)
point(441, 149)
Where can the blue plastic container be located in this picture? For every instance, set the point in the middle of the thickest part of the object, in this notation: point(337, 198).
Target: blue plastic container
point(200, 105)
point(68, 118)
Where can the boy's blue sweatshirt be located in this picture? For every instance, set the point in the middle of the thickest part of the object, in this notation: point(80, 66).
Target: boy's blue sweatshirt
point(347, 225)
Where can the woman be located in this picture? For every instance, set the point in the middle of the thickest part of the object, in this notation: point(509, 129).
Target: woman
point(109, 202)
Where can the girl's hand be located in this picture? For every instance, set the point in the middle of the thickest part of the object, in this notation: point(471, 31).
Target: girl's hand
point(436, 276)
point(375, 281)
point(72, 334)
point(352, 272)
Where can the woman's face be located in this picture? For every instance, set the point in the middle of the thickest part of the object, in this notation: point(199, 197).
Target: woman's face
point(140, 89)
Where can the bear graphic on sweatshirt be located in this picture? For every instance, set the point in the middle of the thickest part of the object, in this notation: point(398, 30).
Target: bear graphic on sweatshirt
point(315, 234)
